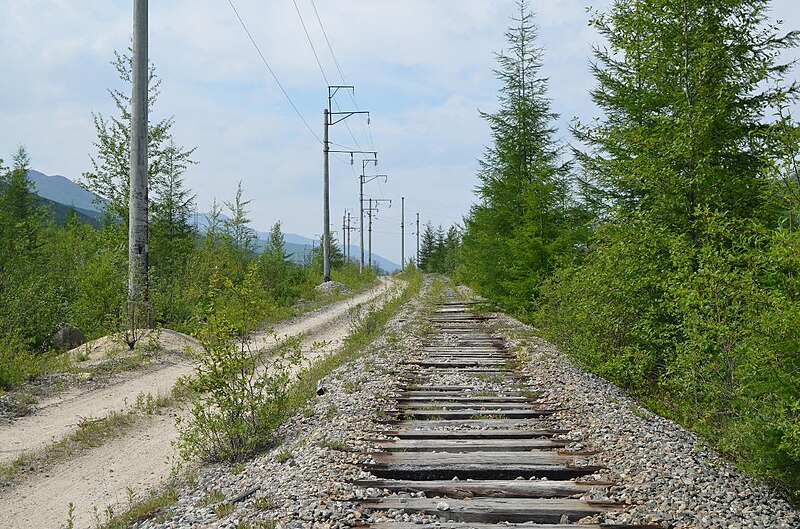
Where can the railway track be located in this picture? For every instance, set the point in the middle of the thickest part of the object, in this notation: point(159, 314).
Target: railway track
point(468, 445)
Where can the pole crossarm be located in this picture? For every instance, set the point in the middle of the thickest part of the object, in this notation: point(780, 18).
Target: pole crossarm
point(366, 179)
point(344, 115)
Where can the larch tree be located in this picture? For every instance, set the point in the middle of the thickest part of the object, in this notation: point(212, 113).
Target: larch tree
point(523, 190)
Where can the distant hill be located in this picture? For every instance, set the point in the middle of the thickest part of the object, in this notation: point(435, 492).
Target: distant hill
point(60, 212)
point(62, 193)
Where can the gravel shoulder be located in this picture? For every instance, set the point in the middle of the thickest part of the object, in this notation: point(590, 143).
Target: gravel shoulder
point(144, 457)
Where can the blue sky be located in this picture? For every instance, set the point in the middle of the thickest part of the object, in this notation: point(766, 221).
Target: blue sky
point(421, 67)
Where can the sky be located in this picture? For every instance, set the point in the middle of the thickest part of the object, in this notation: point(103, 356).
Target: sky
point(422, 68)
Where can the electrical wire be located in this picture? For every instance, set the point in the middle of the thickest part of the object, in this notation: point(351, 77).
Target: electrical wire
point(310, 42)
point(341, 74)
point(275, 77)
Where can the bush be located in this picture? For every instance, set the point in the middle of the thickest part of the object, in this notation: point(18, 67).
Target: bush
point(241, 393)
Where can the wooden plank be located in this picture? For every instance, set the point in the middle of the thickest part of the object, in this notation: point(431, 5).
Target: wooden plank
point(471, 445)
point(477, 405)
point(431, 424)
point(431, 396)
point(445, 415)
point(454, 364)
point(498, 459)
point(488, 488)
point(473, 525)
point(433, 387)
point(473, 434)
point(465, 471)
point(495, 509)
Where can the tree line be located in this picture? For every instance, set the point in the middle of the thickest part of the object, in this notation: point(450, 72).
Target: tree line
point(72, 273)
point(661, 248)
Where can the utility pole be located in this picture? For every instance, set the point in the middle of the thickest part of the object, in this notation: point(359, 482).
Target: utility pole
point(326, 150)
point(363, 179)
point(417, 240)
point(326, 208)
point(370, 233)
point(344, 234)
point(402, 233)
point(369, 212)
point(137, 200)
point(348, 231)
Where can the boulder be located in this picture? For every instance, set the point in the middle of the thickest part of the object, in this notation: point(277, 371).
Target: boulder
point(68, 337)
point(333, 286)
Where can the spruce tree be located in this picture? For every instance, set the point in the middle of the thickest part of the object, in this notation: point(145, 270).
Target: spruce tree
point(687, 89)
point(523, 190)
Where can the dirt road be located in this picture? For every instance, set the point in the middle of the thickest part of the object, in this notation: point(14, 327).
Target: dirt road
point(105, 475)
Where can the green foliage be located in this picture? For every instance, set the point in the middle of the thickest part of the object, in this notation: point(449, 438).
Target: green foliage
point(241, 393)
point(438, 252)
point(516, 234)
point(688, 296)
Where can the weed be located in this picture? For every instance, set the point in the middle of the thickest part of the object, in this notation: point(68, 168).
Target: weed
point(131, 493)
point(156, 502)
point(70, 516)
point(283, 456)
point(264, 503)
point(238, 468)
point(335, 444)
point(223, 509)
point(215, 496)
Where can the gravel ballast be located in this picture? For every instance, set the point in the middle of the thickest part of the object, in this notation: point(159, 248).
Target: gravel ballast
point(666, 476)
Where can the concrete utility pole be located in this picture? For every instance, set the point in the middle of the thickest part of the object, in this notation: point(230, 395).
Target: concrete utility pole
point(417, 240)
point(363, 179)
point(137, 200)
point(402, 233)
point(370, 233)
point(326, 208)
point(376, 201)
point(348, 230)
point(326, 150)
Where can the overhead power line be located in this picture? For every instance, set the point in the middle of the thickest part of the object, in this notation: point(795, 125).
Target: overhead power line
point(310, 42)
point(368, 129)
point(275, 77)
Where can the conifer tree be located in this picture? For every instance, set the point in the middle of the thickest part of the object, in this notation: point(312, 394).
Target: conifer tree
point(685, 96)
point(523, 190)
point(109, 177)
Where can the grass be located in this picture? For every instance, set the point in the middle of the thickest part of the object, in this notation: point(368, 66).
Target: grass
point(335, 444)
point(368, 328)
point(283, 456)
point(156, 503)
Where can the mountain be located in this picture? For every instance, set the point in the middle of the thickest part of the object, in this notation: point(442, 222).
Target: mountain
point(63, 193)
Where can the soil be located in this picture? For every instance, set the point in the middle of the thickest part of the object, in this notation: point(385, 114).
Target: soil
point(106, 475)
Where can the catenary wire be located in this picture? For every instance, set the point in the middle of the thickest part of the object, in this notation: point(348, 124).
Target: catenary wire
point(275, 77)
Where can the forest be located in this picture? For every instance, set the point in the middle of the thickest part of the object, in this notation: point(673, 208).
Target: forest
point(660, 247)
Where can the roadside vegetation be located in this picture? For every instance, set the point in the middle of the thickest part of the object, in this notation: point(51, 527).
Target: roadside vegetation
point(664, 253)
point(57, 272)
point(241, 395)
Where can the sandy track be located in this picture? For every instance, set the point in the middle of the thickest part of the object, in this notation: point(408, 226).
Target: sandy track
point(101, 476)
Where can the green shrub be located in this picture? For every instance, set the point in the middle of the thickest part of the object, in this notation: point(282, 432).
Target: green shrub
point(241, 393)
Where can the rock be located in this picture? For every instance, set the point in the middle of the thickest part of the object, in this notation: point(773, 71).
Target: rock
point(332, 287)
point(67, 337)
point(443, 506)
